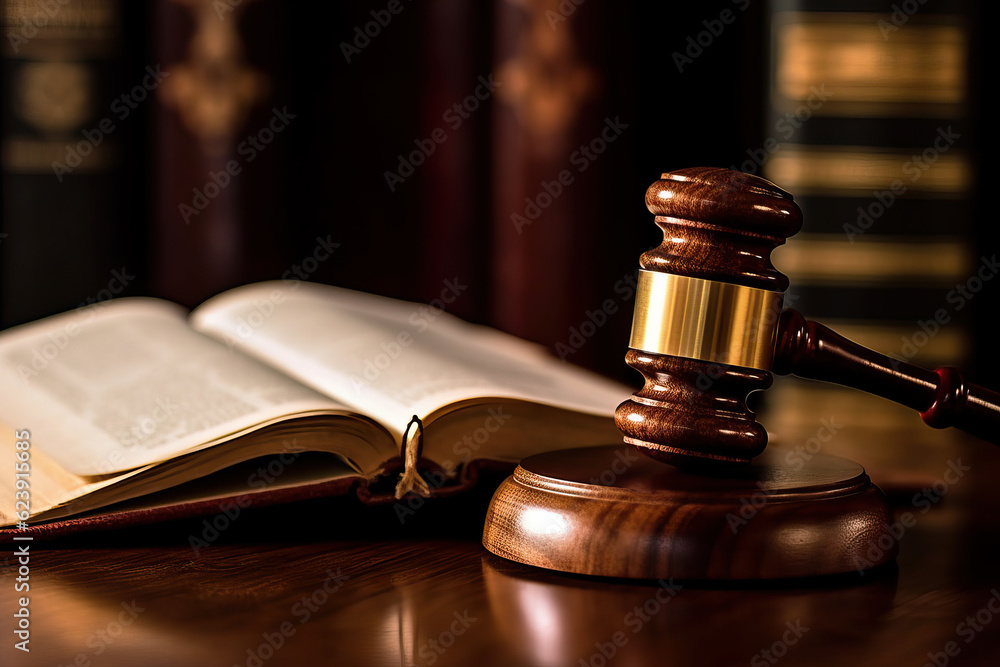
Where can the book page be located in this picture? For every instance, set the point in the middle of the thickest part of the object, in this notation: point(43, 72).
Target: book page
point(123, 384)
point(393, 359)
point(291, 453)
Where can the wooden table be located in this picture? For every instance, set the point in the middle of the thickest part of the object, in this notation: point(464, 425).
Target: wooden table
point(339, 584)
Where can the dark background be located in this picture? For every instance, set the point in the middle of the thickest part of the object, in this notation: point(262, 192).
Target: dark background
point(323, 177)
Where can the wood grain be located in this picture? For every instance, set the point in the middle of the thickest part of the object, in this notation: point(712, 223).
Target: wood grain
point(608, 511)
point(722, 225)
point(690, 411)
point(942, 396)
point(407, 582)
point(717, 224)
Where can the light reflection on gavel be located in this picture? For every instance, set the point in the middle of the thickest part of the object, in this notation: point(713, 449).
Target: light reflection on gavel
point(708, 330)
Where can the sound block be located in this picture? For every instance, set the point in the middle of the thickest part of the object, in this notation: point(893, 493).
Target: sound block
point(611, 511)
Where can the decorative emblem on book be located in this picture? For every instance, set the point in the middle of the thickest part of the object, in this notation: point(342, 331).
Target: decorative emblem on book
point(544, 81)
point(213, 90)
point(54, 96)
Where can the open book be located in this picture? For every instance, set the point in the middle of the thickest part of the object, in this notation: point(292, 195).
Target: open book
point(277, 390)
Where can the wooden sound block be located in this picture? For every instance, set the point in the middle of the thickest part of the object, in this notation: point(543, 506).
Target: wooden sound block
point(610, 511)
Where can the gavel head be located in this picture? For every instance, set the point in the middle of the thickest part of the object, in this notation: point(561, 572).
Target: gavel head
point(706, 313)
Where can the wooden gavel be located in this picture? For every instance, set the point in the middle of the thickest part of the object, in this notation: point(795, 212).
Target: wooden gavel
point(708, 329)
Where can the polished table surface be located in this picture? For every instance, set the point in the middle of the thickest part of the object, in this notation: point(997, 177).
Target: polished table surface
point(336, 583)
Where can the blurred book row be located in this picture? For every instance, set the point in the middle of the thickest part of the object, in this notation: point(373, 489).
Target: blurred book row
point(181, 147)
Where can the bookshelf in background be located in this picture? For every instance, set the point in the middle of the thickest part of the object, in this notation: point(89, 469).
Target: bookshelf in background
point(543, 216)
point(70, 226)
point(871, 127)
point(220, 131)
point(567, 181)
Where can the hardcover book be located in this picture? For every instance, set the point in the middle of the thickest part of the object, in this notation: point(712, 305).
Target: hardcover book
point(136, 410)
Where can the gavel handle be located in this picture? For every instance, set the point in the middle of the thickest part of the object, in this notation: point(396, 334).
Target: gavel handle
point(942, 397)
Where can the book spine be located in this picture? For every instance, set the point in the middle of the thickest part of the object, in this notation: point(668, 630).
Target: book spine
point(221, 130)
point(454, 113)
point(68, 177)
point(562, 131)
point(870, 127)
